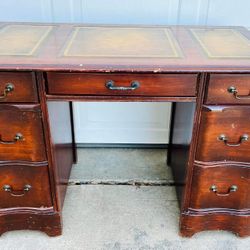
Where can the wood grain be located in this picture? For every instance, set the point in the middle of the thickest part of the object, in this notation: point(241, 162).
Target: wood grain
point(25, 90)
point(220, 83)
point(17, 176)
point(94, 84)
point(26, 120)
point(192, 223)
point(223, 177)
point(232, 121)
point(45, 220)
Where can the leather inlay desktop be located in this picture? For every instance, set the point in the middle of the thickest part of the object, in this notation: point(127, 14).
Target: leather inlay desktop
point(222, 43)
point(22, 40)
point(122, 42)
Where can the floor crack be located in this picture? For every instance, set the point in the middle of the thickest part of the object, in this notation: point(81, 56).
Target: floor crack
point(128, 183)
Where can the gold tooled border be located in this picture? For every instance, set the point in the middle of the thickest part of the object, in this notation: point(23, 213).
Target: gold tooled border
point(33, 50)
point(170, 37)
point(206, 49)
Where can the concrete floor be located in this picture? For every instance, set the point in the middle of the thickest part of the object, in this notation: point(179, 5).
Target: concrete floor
point(121, 216)
point(106, 165)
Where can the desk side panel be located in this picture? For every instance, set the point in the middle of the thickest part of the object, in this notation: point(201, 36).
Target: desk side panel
point(61, 138)
point(181, 127)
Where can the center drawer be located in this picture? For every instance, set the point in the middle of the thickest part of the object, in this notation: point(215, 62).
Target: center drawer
point(21, 133)
point(122, 84)
point(24, 186)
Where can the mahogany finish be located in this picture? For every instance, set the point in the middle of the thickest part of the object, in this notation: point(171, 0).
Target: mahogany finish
point(192, 223)
point(230, 121)
point(222, 178)
point(25, 121)
point(63, 155)
point(45, 220)
point(20, 176)
point(209, 140)
point(95, 84)
point(24, 87)
point(219, 85)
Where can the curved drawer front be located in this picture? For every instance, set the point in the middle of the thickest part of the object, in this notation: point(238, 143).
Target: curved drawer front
point(17, 87)
point(224, 134)
point(228, 89)
point(21, 133)
point(221, 187)
point(122, 84)
point(24, 186)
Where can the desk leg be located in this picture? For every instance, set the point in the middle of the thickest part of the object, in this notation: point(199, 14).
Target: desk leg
point(170, 143)
point(75, 158)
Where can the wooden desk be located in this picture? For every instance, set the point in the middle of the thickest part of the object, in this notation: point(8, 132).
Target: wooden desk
point(204, 71)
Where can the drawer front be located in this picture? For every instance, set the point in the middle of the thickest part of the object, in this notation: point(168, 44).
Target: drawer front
point(229, 89)
point(221, 187)
point(122, 84)
point(17, 87)
point(24, 186)
point(224, 134)
point(21, 133)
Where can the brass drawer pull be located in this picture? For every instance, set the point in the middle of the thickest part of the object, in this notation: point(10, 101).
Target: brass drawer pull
point(234, 91)
point(18, 137)
point(8, 188)
point(111, 85)
point(8, 88)
point(224, 138)
point(214, 189)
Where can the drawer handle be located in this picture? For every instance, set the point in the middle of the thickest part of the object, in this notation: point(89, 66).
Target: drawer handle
point(111, 85)
point(224, 138)
point(8, 188)
point(8, 88)
point(232, 189)
point(18, 137)
point(234, 91)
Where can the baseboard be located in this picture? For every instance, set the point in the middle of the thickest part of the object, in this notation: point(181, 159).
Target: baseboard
point(120, 145)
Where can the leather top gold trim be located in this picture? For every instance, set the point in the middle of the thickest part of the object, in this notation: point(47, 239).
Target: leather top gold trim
point(122, 42)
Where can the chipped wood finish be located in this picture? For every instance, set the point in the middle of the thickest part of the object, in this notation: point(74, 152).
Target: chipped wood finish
point(45, 220)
